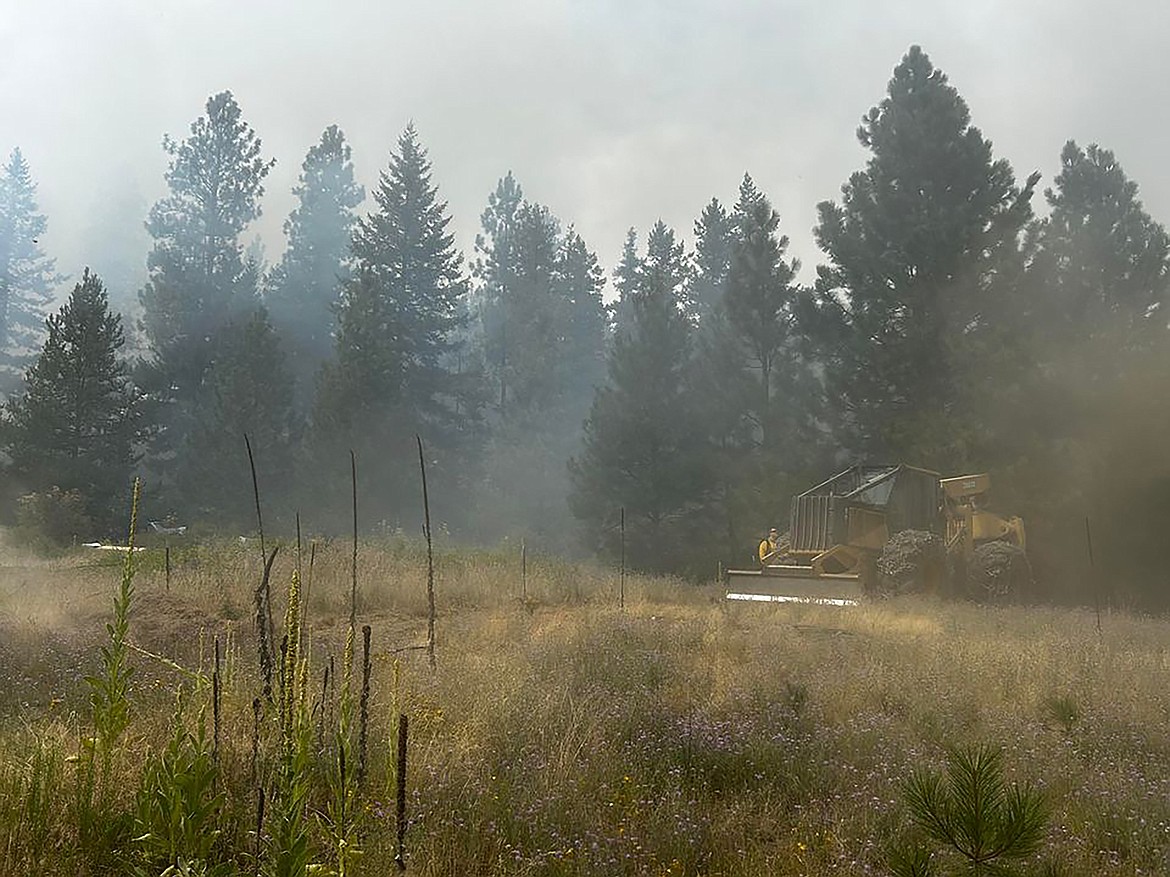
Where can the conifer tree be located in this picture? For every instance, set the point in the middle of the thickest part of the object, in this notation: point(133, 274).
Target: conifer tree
point(542, 331)
point(199, 276)
point(714, 233)
point(1078, 408)
point(627, 280)
point(395, 371)
point(759, 302)
point(1105, 261)
point(578, 282)
point(302, 290)
point(641, 451)
point(667, 264)
point(27, 276)
point(922, 251)
point(79, 419)
point(517, 301)
point(755, 389)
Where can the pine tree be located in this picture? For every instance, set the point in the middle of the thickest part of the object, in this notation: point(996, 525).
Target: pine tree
point(627, 280)
point(247, 390)
point(1077, 411)
point(302, 290)
point(714, 234)
point(77, 422)
point(27, 276)
point(1105, 260)
point(756, 392)
point(667, 265)
point(578, 281)
point(759, 302)
point(518, 308)
point(542, 330)
point(199, 276)
point(395, 371)
point(641, 450)
point(921, 253)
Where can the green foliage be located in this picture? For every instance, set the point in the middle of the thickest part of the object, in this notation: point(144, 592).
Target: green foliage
point(1080, 412)
point(756, 392)
point(539, 309)
point(714, 238)
point(640, 451)
point(923, 255)
point(53, 519)
point(30, 796)
point(302, 289)
point(539, 332)
point(178, 806)
point(973, 814)
point(27, 276)
point(76, 424)
point(1063, 709)
point(247, 391)
point(1105, 260)
point(102, 832)
point(396, 369)
point(110, 690)
point(199, 274)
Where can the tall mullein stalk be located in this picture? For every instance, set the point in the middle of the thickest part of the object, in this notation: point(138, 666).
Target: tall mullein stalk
point(400, 794)
point(289, 851)
point(364, 706)
point(320, 708)
point(110, 690)
point(216, 684)
point(256, 712)
point(290, 674)
point(340, 811)
point(264, 635)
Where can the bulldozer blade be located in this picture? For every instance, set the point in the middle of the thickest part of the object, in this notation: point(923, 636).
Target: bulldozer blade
point(793, 585)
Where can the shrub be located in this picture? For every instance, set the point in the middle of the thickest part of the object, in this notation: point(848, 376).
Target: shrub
point(53, 519)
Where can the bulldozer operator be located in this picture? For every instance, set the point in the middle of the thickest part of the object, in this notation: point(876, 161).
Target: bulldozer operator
point(768, 547)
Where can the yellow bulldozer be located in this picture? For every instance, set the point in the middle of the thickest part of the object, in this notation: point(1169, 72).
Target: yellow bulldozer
point(874, 530)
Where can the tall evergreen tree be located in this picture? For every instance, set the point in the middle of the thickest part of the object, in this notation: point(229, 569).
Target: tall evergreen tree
point(395, 372)
point(627, 280)
point(1077, 412)
point(1105, 261)
point(199, 276)
point(714, 234)
point(578, 282)
point(922, 251)
point(759, 301)
point(517, 303)
point(668, 265)
point(756, 391)
point(27, 276)
point(641, 450)
point(77, 422)
point(303, 289)
point(542, 331)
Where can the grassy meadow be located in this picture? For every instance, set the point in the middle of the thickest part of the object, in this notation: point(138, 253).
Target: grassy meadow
point(558, 734)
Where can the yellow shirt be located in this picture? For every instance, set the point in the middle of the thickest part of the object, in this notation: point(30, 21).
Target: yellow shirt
point(767, 546)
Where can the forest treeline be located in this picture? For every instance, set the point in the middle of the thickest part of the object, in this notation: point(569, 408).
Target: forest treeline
point(948, 326)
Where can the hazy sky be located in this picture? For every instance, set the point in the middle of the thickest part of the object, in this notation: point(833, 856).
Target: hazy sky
point(611, 113)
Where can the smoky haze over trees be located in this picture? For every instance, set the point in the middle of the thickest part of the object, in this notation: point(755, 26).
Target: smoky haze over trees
point(27, 275)
point(947, 326)
point(302, 290)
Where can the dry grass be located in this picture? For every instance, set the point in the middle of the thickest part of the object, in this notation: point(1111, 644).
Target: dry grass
point(562, 736)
